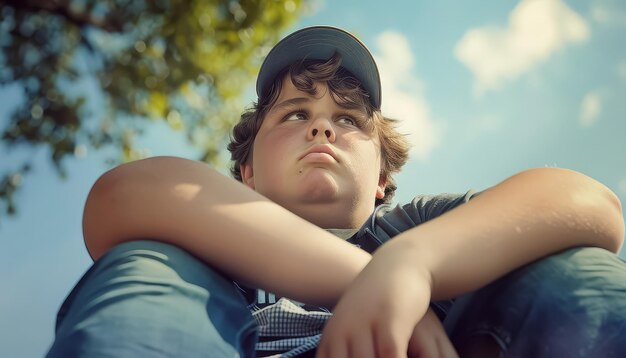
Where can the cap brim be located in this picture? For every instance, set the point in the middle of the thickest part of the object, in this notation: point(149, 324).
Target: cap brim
point(320, 43)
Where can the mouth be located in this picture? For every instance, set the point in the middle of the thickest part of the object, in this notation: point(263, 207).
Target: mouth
point(320, 153)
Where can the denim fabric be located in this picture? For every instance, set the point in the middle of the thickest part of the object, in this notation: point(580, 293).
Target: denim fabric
point(149, 299)
point(572, 304)
point(146, 298)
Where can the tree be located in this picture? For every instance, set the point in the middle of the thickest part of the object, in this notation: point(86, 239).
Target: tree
point(182, 61)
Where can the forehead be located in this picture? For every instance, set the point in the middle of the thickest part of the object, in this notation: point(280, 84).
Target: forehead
point(287, 87)
point(342, 96)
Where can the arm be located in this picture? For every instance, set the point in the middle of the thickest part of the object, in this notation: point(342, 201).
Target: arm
point(222, 222)
point(528, 216)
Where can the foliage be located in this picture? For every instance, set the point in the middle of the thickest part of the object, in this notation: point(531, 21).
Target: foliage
point(182, 61)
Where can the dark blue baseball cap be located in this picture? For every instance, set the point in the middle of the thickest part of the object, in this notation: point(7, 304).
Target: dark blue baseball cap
point(320, 43)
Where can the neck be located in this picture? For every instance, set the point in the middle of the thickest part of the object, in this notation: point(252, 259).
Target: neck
point(334, 215)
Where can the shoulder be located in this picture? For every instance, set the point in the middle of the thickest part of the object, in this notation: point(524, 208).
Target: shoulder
point(388, 220)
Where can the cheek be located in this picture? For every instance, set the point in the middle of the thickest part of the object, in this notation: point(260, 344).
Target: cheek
point(366, 159)
point(271, 153)
point(366, 149)
point(278, 144)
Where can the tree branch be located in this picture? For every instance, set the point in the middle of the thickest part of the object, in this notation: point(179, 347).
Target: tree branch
point(63, 8)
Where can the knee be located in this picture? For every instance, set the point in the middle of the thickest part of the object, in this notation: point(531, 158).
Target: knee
point(595, 270)
point(582, 285)
point(571, 300)
point(147, 294)
point(576, 291)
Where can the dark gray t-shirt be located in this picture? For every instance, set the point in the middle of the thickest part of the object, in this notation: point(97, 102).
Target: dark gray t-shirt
point(288, 328)
point(388, 221)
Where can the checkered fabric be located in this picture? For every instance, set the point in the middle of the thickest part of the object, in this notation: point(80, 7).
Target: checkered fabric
point(288, 328)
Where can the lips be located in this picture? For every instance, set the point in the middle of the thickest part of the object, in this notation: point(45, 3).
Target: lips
point(320, 152)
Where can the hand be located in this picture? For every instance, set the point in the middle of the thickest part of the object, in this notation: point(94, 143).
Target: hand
point(430, 340)
point(378, 313)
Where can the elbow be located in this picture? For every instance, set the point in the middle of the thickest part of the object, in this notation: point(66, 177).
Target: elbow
point(120, 205)
point(590, 213)
point(604, 209)
point(101, 213)
point(598, 208)
point(614, 206)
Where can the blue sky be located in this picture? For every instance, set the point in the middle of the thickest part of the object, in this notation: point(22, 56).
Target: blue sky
point(486, 90)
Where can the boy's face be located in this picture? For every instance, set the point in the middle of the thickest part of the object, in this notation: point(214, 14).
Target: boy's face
point(312, 157)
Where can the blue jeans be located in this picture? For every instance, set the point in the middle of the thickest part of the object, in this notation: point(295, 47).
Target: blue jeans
point(146, 298)
point(150, 299)
point(572, 304)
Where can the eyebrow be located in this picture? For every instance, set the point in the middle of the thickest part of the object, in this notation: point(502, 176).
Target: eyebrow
point(299, 100)
point(289, 103)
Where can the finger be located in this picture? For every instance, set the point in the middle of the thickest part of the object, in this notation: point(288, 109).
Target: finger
point(332, 348)
point(387, 342)
point(446, 348)
point(423, 344)
point(339, 349)
point(429, 338)
point(361, 344)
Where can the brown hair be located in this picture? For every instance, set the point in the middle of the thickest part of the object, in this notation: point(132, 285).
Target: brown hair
point(345, 88)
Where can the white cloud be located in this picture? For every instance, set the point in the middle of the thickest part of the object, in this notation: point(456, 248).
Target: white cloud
point(313, 7)
point(600, 14)
point(485, 124)
point(402, 94)
point(590, 109)
point(536, 29)
point(621, 186)
point(621, 69)
point(608, 14)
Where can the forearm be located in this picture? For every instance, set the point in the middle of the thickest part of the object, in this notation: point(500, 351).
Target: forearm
point(222, 222)
point(524, 218)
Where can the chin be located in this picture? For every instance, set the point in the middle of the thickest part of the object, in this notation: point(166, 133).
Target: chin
point(319, 197)
point(327, 191)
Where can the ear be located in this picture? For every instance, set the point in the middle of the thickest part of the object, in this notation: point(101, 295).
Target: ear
point(382, 184)
point(247, 175)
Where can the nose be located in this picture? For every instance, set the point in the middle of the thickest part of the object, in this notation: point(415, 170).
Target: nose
point(321, 127)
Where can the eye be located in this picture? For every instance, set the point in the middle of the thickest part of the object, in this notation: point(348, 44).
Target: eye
point(348, 120)
point(296, 116)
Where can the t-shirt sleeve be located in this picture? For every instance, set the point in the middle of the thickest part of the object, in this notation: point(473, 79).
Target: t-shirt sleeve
point(388, 221)
point(391, 221)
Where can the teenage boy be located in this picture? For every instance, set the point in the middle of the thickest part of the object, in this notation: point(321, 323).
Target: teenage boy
point(170, 236)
